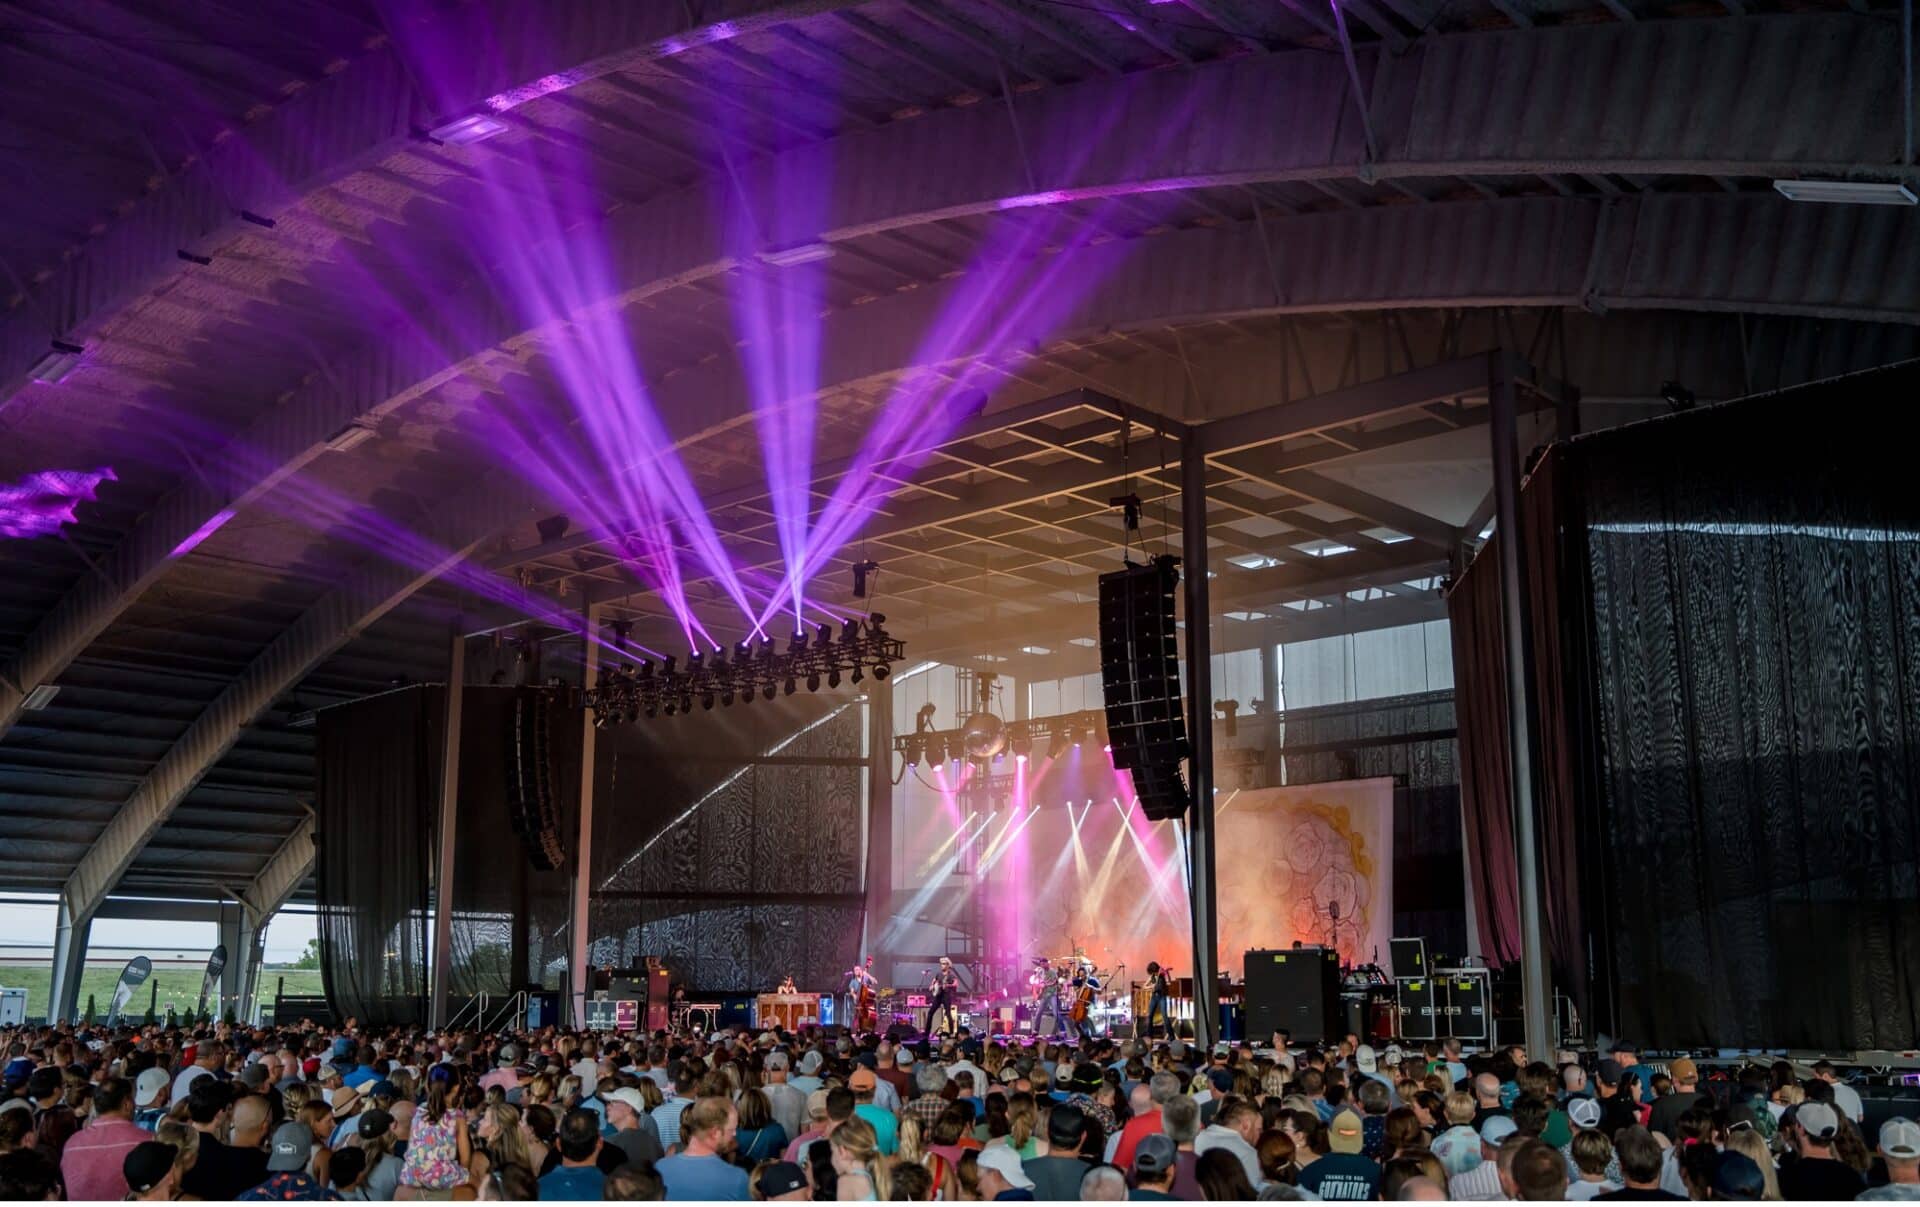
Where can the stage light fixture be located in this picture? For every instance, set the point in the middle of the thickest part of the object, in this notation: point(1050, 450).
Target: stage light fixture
point(790, 687)
point(552, 528)
point(726, 699)
point(766, 691)
point(766, 647)
point(799, 643)
point(858, 674)
point(813, 683)
point(850, 631)
point(914, 747)
point(876, 625)
point(651, 710)
point(706, 701)
point(863, 572)
point(686, 704)
point(646, 668)
point(1020, 741)
point(694, 662)
point(672, 708)
point(742, 651)
point(833, 677)
point(823, 636)
point(1058, 744)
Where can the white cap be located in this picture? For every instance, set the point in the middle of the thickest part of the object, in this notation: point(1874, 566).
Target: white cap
point(903, 1057)
point(148, 1084)
point(1819, 1120)
point(1365, 1060)
point(1900, 1138)
point(1005, 1162)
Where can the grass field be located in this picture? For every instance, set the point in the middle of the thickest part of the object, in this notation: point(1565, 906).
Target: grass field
point(178, 987)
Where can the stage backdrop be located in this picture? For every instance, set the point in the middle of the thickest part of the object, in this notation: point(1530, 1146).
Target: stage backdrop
point(1092, 874)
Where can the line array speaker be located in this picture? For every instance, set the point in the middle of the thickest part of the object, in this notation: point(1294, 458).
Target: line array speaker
point(536, 818)
point(1140, 679)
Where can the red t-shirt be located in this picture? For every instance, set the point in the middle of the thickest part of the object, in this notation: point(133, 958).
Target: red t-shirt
point(1137, 1129)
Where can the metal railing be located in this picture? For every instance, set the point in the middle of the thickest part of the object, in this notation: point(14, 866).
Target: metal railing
point(492, 1012)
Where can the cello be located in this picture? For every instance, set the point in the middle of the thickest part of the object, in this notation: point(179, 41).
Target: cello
point(1083, 989)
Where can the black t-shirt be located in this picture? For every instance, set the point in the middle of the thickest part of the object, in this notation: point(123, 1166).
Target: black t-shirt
point(1819, 1178)
point(1667, 1111)
point(1630, 1195)
point(222, 1172)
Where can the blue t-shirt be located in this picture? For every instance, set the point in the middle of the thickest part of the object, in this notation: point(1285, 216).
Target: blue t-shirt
point(572, 1184)
point(687, 1178)
point(886, 1129)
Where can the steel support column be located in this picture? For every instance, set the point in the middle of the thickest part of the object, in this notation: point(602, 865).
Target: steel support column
point(879, 873)
point(578, 934)
point(1200, 861)
point(70, 934)
point(1520, 702)
point(236, 936)
point(443, 867)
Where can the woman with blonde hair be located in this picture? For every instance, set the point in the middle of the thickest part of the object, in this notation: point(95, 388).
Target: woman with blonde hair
point(864, 1175)
point(1023, 1120)
point(503, 1140)
point(914, 1150)
point(186, 1140)
point(539, 1091)
point(567, 1094)
point(1750, 1144)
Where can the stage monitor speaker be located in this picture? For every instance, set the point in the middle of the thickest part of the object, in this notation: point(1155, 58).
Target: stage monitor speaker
point(1409, 958)
point(1296, 991)
point(1140, 679)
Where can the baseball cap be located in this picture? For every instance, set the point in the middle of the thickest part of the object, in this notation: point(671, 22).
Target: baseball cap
point(1457, 1149)
point(862, 1079)
point(1154, 1154)
point(146, 1164)
point(1221, 1080)
point(1683, 1069)
point(628, 1097)
point(1497, 1128)
point(810, 1063)
point(1626, 1046)
point(149, 1083)
point(1583, 1113)
point(16, 1104)
point(1819, 1120)
point(781, 1177)
point(1344, 1134)
point(1365, 1059)
point(292, 1148)
point(867, 1060)
point(1608, 1071)
point(328, 1072)
point(1737, 1177)
point(903, 1058)
point(383, 1089)
point(374, 1124)
point(1900, 1138)
point(776, 1062)
point(1006, 1162)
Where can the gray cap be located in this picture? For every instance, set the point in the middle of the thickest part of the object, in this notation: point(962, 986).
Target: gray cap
point(292, 1148)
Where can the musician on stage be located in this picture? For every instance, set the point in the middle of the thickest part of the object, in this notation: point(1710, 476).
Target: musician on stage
point(863, 990)
point(787, 987)
point(1085, 988)
point(1160, 985)
point(1050, 1006)
point(946, 995)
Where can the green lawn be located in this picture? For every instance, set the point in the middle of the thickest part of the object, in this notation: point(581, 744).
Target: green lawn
point(179, 988)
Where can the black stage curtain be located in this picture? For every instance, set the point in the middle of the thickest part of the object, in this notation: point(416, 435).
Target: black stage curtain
point(1755, 575)
point(376, 794)
point(1561, 745)
point(378, 800)
point(734, 872)
point(510, 920)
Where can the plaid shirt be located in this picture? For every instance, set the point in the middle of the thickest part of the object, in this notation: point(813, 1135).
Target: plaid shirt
point(926, 1109)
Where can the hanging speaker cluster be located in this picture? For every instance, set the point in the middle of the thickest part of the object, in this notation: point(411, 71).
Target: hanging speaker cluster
point(1140, 674)
point(536, 818)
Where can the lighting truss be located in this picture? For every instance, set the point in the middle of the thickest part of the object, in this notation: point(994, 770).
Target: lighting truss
point(1054, 736)
point(627, 693)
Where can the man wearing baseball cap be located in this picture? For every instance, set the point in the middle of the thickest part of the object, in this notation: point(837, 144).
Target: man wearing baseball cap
point(886, 1128)
point(1686, 1092)
point(783, 1182)
point(1815, 1173)
point(148, 1168)
point(634, 1132)
point(288, 1179)
point(1900, 1148)
point(1154, 1164)
point(150, 1098)
point(1341, 1172)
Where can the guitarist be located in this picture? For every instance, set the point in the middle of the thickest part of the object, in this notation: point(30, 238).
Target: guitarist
point(1159, 985)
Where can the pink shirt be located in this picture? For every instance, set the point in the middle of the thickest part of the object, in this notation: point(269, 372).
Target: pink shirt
point(91, 1164)
point(506, 1079)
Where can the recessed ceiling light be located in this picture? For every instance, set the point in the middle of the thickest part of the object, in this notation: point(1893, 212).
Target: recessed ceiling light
point(1846, 192)
point(1254, 561)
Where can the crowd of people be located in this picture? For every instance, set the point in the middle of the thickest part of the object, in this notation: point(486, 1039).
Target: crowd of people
point(353, 1113)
